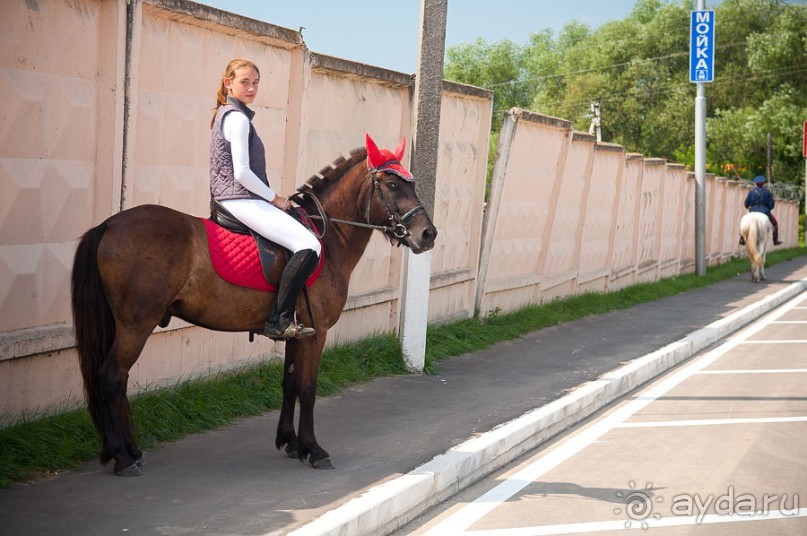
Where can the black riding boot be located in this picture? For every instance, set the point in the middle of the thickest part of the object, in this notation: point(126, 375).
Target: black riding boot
point(281, 323)
point(742, 240)
point(776, 235)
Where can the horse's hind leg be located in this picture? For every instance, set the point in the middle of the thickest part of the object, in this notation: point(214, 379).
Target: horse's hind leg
point(112, 377)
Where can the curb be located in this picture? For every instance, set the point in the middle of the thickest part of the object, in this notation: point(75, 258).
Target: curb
point(388, 506)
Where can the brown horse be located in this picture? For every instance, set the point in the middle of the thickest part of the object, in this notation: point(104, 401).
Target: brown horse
point(146, 264)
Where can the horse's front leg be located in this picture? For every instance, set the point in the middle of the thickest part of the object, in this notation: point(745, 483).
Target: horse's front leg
point(286, 438)
point(307, 354)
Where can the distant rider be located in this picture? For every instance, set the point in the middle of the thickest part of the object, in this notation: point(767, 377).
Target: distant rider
point(761, 200)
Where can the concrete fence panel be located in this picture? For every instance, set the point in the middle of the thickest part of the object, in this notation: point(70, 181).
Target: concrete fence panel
point(687, 260)
point(787, 214)
point(623, 266)
point(601, 214)
point(61, 82)
point(734, 210)
point(650, 218)
point(672, 222)
point(560, 269)
point(523, 198)
point(462, 163)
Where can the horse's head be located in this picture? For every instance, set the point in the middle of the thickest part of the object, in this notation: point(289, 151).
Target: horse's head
point(396, 201)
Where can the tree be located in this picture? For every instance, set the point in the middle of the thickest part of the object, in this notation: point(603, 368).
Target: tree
point(497, 67)
point(639, 67)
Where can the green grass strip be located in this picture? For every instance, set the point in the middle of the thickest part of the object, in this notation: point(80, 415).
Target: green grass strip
point(35, 446)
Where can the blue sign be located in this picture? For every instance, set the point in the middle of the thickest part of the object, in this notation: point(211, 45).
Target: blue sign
point(702, 46)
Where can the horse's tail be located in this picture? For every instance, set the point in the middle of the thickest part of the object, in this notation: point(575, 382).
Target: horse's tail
point(751, 243)
point(92, 318)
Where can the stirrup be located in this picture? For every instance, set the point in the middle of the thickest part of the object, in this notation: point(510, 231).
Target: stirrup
point(293, 330)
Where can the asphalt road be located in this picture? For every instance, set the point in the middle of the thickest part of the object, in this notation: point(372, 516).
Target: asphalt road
point(714, 446)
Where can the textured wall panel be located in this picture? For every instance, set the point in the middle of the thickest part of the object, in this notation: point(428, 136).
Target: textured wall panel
point(623, 265)
point(459, 205)
point(49, 67)
point(600, 218)
point(563, 248)
point(526, 200)
point(672, 220)
point(649, 219)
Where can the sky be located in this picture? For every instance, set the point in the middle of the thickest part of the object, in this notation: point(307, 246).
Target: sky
point(384, 33)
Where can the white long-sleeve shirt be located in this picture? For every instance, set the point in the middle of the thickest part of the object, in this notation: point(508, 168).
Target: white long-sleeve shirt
point(236, 131)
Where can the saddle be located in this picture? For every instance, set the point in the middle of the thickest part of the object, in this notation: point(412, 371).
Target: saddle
point(235, 255)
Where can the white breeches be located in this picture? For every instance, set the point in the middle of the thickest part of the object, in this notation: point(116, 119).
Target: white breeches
point(272, 223)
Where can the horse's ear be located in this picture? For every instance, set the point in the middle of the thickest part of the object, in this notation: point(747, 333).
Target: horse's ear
point(374, 157)
point(399, 151)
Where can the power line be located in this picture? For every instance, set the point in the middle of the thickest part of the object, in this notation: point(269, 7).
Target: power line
point(792, 69)
point(604, 68)
point(676, 87)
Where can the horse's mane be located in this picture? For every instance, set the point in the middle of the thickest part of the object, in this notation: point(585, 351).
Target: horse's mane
point(334, 171)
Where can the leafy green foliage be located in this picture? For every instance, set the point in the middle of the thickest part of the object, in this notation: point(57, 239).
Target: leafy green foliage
point(639, 68)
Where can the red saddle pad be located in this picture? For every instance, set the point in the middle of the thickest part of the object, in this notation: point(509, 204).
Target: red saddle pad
point(235, 258)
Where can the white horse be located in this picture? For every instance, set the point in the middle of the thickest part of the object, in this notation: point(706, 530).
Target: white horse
point(757, 231)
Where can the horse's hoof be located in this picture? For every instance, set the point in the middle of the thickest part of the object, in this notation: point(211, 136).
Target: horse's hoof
point(288, 449)
point(324, 463)
point(132, 470)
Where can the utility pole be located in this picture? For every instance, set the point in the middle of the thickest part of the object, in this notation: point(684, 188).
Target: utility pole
point(596, 120)
point(425, 143)
point(701, 70)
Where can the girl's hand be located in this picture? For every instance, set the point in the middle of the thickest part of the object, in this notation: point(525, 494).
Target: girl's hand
point(280, 202)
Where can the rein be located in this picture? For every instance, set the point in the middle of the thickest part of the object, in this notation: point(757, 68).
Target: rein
point(398, 230)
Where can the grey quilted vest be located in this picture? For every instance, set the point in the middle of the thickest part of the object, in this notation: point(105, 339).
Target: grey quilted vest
point(222, 178)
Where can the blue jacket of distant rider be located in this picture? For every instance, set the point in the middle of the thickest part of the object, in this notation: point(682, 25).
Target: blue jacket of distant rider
point(759, 200)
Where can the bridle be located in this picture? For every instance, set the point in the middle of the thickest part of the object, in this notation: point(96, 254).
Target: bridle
point(397, 227)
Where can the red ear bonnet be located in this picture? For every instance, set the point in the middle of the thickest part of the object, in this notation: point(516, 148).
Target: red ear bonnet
point(399, 151)
point(385, 160)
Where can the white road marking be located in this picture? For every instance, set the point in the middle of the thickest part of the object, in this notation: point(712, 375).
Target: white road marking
point(458, 522)
point(779, 341)
point(709, 422)
point(753, 371)
point(607, 526)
